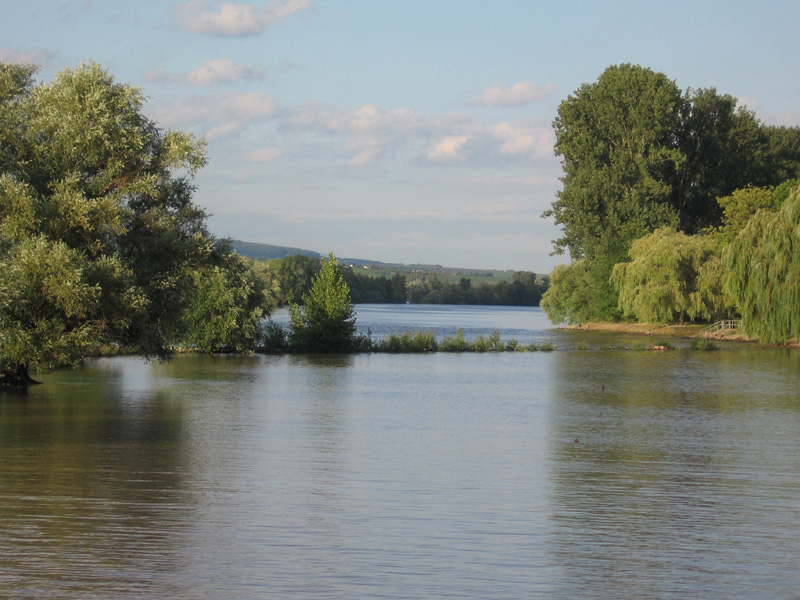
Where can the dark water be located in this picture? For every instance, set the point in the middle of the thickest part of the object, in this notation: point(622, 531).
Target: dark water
point(407, 476)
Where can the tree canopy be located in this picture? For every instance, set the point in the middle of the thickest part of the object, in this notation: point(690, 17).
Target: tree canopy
point(764, 272)
point(671, 277)
point(99, 237)
point(639, 155)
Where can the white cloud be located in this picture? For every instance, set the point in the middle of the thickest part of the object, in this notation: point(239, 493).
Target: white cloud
point(267, 154)
point(232, 19)
point(496, 209)
point(366, 119)
point(224, 130)
point(518, 94)
point(447, 149)
point(212, 72)
point(524, 138)
point(747, 102)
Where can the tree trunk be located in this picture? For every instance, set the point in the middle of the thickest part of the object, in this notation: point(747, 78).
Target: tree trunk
point(16, 375)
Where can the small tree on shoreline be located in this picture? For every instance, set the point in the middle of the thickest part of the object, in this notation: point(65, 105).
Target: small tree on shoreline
point(326, 321)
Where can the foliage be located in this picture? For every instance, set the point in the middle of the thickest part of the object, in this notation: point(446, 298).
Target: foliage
point(524, 289)
point(764, 279)
point(741, 205)
point(574, 293)
point(409, 342)
point(325, 322)
point(671, 276)
point(227, 306)
point(615, 139)
point(783, 190)
point(700, 343)
point(425, 341)
point(47, 306)
point(289, 278)
point(639, 155)
point(369, 289)
point(293, 276)
point(100, 241)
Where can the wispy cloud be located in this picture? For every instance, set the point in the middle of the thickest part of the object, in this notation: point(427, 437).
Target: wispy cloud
point(232, 19)
point(262, 155)
point(36, 57)
point(518, 94)
point(217, 115)
point(367, 134)
point(210, 73)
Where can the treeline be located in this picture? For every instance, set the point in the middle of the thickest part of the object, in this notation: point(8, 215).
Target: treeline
point(676, 206)
point(289, 278)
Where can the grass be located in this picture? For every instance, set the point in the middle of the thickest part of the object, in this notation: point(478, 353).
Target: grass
point(425, 341)
point(699, 343)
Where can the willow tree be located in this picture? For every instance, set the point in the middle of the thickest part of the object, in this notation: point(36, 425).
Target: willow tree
point(98, 232)
point(764, 279)
point(671, 277)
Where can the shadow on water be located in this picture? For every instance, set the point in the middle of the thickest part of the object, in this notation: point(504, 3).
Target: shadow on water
point(88, 483)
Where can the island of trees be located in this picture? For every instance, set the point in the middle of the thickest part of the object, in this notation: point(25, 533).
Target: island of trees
point(676, 206)
point(103, 250)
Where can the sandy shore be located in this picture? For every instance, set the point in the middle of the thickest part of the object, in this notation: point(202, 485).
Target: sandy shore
point(656, 329)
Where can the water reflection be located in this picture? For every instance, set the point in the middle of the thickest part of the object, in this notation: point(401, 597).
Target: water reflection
point(89, 486)
point(678, 478)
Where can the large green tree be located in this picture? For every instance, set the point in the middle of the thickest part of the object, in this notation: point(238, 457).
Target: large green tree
point(615, 137)
point(99, 236)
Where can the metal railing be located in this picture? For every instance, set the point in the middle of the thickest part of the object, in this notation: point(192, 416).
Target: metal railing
point(724, 325)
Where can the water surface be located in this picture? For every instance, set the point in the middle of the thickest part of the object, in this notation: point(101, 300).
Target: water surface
point(566, 474)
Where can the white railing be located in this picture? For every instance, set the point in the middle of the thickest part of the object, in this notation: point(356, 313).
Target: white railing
point(724, 325)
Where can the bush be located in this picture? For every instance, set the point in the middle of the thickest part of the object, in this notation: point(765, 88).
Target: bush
point(700, 343)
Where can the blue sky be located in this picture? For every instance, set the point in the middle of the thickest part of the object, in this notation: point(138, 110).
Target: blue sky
point(402, 131)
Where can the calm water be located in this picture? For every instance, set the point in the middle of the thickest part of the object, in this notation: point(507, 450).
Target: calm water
point(407, 476)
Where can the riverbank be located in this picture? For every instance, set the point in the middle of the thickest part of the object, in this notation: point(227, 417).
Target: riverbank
point(657, 329)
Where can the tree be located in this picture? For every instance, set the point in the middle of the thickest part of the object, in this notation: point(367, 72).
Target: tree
point(615, 137)
point(571, 297)
point(764, 280)
point(740, 206)
point(326, 321)
point(98, 234)
point(294, 275)
point(227, 307)
point(672, 276)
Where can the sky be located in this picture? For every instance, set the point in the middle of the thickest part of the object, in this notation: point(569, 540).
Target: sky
point(408, 131)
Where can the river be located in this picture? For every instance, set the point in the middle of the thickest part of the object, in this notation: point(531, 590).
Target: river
point(576, 473)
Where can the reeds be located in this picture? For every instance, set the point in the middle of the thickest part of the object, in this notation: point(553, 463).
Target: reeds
point(425, 341)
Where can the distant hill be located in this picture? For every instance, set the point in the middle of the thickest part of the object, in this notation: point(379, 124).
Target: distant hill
point(376, 267)
point(268, 252)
